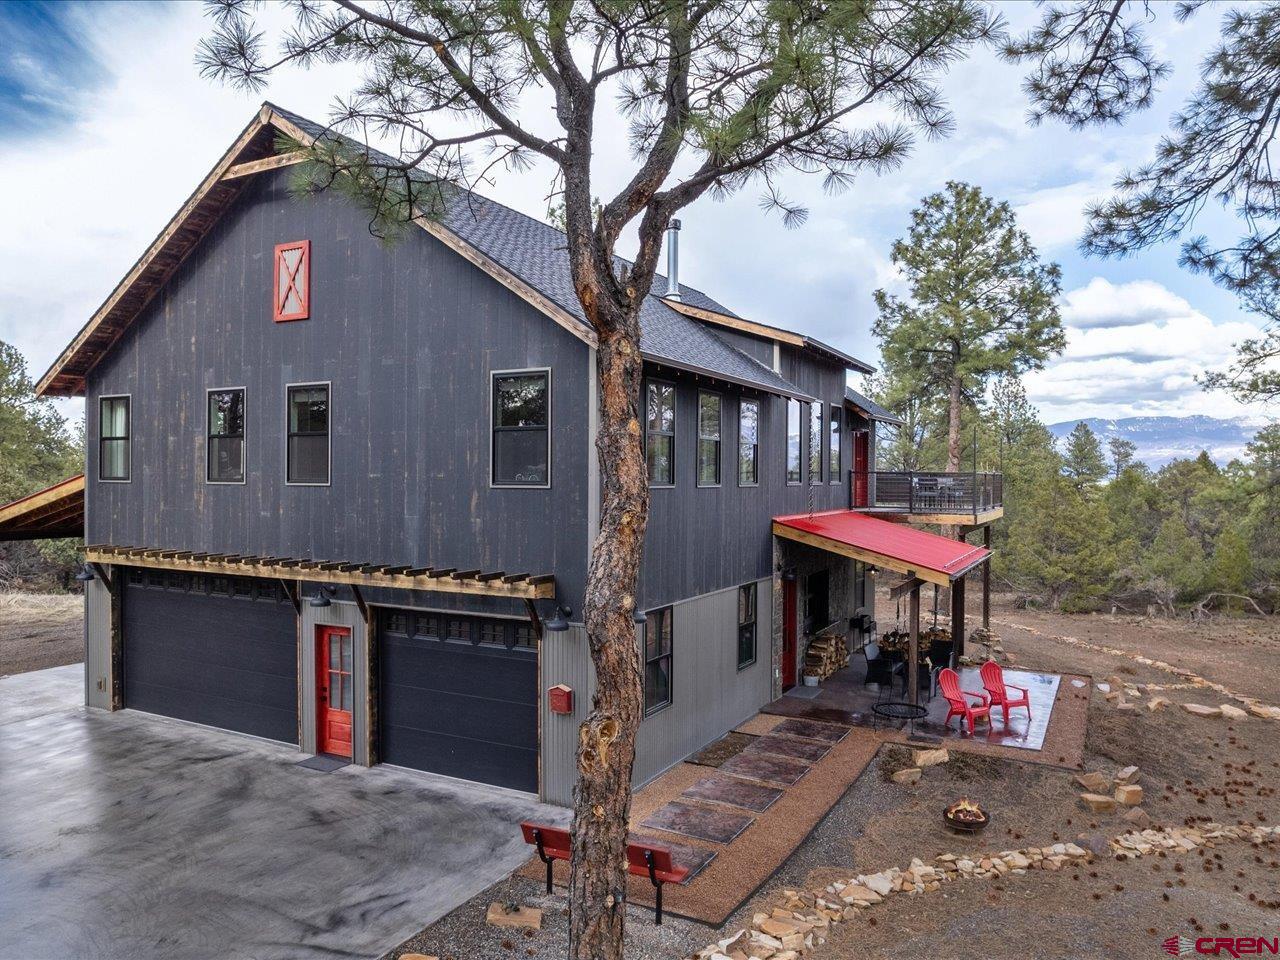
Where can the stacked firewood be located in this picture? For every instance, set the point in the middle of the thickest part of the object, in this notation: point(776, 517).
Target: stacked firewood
point(826, 654)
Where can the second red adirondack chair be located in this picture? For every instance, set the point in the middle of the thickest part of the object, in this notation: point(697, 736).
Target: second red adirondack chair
point(958, 700)
point(993, 681)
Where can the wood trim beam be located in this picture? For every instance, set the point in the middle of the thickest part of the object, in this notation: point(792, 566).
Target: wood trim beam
point(907, 586)
point(737, 323)
point(960, 518)
point(251, 167)
point(30, 505)
point(534, 588)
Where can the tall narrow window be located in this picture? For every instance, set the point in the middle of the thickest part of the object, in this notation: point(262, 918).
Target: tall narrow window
point(816, 427)
point(748, 443)
point(660, 433)
point(521, 455)
point(657, 660)
point(708, 439)
point(291, 288)
point(225, 446)
point(793, 441)
point(833, 451)
point(308, 452)
point(746, 625)
point(113, 438)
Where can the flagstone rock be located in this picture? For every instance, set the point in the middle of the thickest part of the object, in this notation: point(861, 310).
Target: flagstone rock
point(907, 775)
point(1129, 794)
point(930, 758)
point(1127, 775)
point(1200, 710)
point(1098, 802)
point(1093, 782)
point(1233, 712)
point(1138, 817)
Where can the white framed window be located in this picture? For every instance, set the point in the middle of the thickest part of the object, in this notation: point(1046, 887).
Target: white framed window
point(710, 417)
point(748, 443)
point(114, 438)
point(224, 435)
point(833, 449)
point(520, 421)
point(308, 420)
point(793, 441)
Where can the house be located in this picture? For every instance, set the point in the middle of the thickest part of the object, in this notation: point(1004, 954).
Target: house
point(342, 494)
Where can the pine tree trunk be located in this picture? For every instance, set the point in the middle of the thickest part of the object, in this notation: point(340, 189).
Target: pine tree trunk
point(953, 426)
point(606, 745)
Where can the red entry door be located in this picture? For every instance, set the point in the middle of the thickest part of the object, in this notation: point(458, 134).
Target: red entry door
point(861, 465)
point(334, 690)
point(788, 634)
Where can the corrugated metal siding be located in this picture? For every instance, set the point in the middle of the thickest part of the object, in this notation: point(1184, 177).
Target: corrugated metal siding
point(337, 614)
point(97, 643)
point(709, 693)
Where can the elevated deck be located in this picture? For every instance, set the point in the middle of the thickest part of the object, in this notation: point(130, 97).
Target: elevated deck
point(973, 499)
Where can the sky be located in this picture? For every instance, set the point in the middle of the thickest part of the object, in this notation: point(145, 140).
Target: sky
point(106, 127)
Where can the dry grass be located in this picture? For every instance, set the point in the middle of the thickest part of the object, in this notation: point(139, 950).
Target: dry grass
point(45, 606)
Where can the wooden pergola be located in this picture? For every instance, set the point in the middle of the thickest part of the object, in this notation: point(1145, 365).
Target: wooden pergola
point(52, 513)
point(520, 586)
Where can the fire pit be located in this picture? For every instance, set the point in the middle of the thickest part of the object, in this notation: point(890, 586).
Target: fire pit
point(966, 816)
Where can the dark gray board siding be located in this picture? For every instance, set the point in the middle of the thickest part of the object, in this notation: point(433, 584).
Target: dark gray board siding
point(703, 539)
point(756, 347)
point(408, 335)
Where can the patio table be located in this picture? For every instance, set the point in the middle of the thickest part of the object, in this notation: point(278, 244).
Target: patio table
point(900, 710)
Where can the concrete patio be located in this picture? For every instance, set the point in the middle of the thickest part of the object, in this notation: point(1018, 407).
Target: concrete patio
point(134, 837)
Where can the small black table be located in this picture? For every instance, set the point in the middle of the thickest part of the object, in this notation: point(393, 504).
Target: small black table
point(900, 710)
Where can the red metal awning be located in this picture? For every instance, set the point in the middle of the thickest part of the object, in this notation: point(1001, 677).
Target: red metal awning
point(894, 546)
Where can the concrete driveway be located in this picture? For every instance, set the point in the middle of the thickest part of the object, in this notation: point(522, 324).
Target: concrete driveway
point(134, 837)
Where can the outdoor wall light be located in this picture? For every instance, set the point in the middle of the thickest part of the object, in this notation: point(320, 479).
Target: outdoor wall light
point(640, 618)
point(558, 621)
point(323, 595)
point(85, 574)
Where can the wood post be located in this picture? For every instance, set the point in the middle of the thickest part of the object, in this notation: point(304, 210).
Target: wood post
point(913, 648)
point(986, 580)
point(957, 619)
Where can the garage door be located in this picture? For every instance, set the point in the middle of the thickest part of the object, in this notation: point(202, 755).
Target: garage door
point(459, 696)
point(221, 651)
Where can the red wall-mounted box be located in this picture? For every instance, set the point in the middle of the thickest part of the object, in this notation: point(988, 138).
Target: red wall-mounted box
point(561, 698)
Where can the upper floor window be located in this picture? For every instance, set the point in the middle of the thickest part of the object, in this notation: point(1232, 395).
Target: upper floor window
point(709, 407)
point(793, 441)
point(657, 660)
point(521, 452)
point(308, 443)
point(833, 451)
point(748, 443)
point(660, 432)
point(113, 438)
point(815, 442)
point(746, 625)
point(225, 442)
point(291, 288)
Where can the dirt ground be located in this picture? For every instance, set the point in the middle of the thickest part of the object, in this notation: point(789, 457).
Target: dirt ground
point(39, 630)
point(1191, 770)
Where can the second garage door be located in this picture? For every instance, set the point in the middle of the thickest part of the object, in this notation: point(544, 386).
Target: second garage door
point(221, 651)
point(459, 696)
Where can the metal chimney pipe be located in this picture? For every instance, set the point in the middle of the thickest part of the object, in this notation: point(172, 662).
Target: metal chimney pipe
point(673, 260)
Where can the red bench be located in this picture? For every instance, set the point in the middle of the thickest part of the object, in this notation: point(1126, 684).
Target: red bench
point(643, 859)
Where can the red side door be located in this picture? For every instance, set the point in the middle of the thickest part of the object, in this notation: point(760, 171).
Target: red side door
point(861, 465)
point(788, 634)
point(334, 690)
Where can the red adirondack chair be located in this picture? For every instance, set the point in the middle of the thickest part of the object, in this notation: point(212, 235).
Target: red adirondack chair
point(993, 682)
point(957, 700)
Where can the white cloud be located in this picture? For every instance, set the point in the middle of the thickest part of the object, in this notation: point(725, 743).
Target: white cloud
point(1135, 349)
point(1101, 303)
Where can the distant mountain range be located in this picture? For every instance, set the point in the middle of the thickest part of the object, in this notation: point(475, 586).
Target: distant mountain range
point(1161, 439)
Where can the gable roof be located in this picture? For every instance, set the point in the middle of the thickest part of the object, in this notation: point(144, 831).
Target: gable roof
point(524, 254)
point(871, 408)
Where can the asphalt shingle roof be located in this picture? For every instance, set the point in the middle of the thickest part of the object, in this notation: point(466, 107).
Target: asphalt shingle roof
point(536, 252)
point(873, 409)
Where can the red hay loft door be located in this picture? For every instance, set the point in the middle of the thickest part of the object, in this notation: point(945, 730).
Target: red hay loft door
point(334, 691)
point(291, 292)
